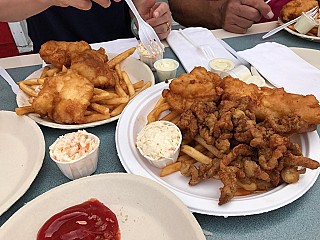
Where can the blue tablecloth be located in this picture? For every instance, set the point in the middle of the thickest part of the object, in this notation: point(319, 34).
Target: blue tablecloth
point(298, 220)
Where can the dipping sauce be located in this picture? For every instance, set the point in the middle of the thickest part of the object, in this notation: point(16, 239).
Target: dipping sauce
point(72, 146)
point(166, 68)
point(219, 65)
point(159, 142)
point(90, 220)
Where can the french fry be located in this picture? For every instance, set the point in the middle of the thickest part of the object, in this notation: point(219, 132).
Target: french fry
point(170, 116)
point(26, 89)
point(118, 71)
point(51, 72)
point(154, 114)
point(160, 101)
point(95, 117)
point(119, 90)
point(118, 110)
point(33, 81)
point(169, 169)
point(100, 108)
point(103, 96)
point(120, 57)
point(24, 110)
point(44, 72)
point(210, 148)
point(147, 85)
point(194, 153)
point(128, 83)
point(138, 84)
point(116, 101)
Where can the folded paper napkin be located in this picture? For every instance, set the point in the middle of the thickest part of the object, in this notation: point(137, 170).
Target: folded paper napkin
point(283, 68)
point(118, 46)
point(190, 56)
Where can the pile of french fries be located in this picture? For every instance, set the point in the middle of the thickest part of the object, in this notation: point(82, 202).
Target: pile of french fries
point(105, 103)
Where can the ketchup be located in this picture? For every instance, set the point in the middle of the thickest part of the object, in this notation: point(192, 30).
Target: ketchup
point(88, 220)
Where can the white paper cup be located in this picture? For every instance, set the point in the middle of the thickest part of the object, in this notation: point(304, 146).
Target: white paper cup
point(166, 69)
point(81, 167)
point(221, 65)
point(149, 135)
point(305, 23)
point(147, 58)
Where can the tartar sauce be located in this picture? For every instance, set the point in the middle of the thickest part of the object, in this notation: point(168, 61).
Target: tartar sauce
point(166, 65)
point(159, 140)
point(221, 65)
point(72, 146)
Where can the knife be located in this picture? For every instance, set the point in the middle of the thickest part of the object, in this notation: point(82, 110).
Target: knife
point(9, 80)
point(233, 52)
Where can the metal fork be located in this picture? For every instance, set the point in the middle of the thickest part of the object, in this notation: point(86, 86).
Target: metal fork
point(147, 35)
point(312, 13)
point(205, 48)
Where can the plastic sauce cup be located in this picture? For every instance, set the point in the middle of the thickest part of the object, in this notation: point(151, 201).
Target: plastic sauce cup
point(166, 69)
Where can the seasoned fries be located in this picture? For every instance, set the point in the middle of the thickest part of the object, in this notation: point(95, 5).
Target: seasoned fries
point(104, 103)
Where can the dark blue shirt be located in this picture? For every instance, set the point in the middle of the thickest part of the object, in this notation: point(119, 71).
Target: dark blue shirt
point(70, 24)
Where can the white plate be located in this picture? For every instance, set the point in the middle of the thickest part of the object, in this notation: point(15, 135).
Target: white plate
point(203, 198)
point(144, 209)
point(304, 36)
point(22, 150)
point(136, 70)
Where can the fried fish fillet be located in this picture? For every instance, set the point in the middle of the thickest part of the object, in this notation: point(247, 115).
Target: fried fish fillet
point(93, 64)
point(64, 98)
point(276, 103)
point(198, 85)
point(294, 9)
point(58, 53)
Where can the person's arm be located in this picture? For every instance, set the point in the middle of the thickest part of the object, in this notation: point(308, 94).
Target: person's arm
point(232, 15)
point(17, 10)
point(203, 13)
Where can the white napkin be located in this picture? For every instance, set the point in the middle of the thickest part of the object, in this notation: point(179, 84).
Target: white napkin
point(118, 46)
point(283, 68)
point(188, 55)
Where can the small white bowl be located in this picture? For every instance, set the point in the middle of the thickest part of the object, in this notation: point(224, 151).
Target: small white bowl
point(147, 58)
point(159, 142)
point(80, 167)
point(166, 69)
point(241, 72)
point(305, 23)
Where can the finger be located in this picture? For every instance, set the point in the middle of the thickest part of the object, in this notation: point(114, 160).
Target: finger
point(80, 4)
point(103, 3)
point(159, 9)
point(260, 6)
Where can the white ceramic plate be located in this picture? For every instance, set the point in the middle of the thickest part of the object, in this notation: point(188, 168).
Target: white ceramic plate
point(136, 70)
point(22, 150)
point(144, 209)
point(203, 198)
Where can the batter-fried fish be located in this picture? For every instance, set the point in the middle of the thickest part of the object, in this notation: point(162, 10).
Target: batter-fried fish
point(301, 113)
point(58, 53)
point(198, 85)
point(64, 98)
point(294, 9)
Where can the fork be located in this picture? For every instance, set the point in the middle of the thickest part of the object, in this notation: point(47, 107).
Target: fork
point(205, 48)
point(147, 35)
point(9, 80)
point(312, 13)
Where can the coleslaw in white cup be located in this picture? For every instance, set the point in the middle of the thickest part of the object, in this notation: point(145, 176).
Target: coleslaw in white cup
point(159, 142)
point(76, 154)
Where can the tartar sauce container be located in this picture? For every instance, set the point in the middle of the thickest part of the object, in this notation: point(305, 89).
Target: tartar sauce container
point(241, 72)
point(76, 154)
point(305, 23)
point(159, 142)
point(166, 68)
point(147, 58)
point(220, 65)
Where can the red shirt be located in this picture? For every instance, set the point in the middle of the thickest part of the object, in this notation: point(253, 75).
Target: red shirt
point(276, 6)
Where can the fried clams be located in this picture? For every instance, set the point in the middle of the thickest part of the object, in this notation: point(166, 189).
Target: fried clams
point(294, 9)
point(249, 130)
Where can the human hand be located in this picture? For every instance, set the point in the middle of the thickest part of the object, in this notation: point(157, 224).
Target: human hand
point(157, 14)
point(239, 15)
point(83, 4)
